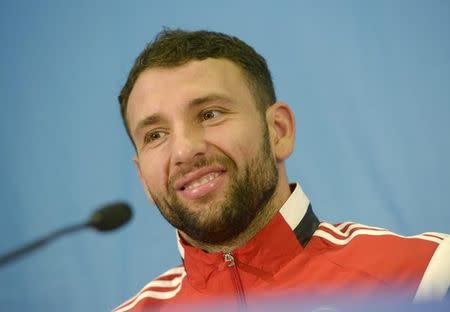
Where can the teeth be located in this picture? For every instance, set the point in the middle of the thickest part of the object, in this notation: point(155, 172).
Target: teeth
point(202, 180)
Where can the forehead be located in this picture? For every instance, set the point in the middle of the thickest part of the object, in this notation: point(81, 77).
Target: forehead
point(158, 89)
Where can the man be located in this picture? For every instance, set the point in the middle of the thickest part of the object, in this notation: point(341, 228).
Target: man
point(211, 140)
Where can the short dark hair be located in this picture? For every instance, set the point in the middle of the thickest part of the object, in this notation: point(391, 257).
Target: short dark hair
point(172, 48)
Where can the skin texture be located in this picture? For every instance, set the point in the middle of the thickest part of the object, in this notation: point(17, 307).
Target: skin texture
point(200, 120)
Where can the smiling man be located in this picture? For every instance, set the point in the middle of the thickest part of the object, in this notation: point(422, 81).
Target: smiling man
point(211, 140)
point(216, 169)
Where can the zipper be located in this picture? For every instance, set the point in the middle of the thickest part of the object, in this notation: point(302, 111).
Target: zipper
point(231, 263)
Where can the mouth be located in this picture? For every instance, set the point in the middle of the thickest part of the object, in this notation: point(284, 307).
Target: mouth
point(201, 182)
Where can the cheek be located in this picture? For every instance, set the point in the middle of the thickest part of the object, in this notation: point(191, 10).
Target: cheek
point(154, 172)
point(236, 142)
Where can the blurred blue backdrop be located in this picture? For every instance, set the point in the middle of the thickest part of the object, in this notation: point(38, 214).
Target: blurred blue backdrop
point(369, 82)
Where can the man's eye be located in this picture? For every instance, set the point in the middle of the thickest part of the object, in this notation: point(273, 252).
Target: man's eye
point(211, 114)
point(153, 136)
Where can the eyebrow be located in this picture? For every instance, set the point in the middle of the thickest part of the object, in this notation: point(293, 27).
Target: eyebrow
point(147, 121)
point(210, 98)
point(156, 118)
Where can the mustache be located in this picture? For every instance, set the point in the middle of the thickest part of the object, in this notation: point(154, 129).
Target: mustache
point(200, 163)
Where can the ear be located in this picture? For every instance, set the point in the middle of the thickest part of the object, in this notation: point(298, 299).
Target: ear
point(141, 177)
point(281, 122)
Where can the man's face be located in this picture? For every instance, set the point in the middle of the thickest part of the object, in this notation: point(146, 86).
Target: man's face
point(204, 154)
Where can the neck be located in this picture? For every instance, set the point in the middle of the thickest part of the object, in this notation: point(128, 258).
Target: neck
point(279, 197)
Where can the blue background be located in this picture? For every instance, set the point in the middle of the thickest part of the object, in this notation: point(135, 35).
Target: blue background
point(368, 81)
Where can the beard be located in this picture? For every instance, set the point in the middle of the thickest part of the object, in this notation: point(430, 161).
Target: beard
point(248, 193)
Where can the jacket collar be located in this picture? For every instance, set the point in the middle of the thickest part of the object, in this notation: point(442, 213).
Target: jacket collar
point(276, 244)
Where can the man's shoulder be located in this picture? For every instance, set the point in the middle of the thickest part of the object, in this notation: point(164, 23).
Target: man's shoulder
point(384, 255)
point(163, 287)
point(350, 233)
point(354, 240)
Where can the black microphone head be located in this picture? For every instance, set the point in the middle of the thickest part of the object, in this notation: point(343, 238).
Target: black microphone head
point(110, 217)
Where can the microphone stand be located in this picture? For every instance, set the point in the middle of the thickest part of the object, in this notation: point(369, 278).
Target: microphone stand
point(14, 254)
point(107, 218)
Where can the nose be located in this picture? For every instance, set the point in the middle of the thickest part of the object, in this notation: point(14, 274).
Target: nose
point(188, 145)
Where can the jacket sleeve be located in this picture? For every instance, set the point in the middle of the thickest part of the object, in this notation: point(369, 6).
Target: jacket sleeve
point(436, 279)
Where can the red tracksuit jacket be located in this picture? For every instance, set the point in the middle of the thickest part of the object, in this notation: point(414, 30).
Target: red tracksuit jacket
point(297, 254)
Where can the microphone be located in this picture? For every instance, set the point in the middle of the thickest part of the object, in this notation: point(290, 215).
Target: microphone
point(107, 218)
point(110, 217)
